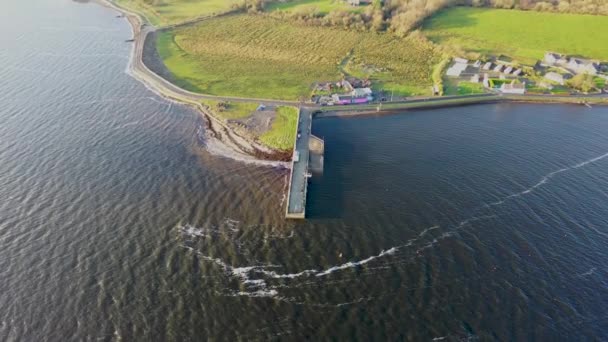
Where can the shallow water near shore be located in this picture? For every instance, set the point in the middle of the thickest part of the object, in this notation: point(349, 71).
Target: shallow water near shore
point(482, 222)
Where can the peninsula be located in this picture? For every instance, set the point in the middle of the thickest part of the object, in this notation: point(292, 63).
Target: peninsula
point(253, 67)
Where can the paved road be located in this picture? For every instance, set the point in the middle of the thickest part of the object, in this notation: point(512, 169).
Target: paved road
point(299, 182)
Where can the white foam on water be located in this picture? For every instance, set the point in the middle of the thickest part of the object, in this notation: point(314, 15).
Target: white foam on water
point(427, 230)
point(547, 177)
point(289, 275)
point(256, 294)
point(357, 263)
point(227, 226)
point(588, 273)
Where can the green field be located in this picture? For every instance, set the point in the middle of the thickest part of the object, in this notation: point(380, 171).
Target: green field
point(168, 12)
point(282, 135)
point(319, 6)
point(522, 35)
point(262, 57)
point(231, 110)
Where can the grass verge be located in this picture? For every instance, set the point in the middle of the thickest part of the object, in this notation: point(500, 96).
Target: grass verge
point(282, 135)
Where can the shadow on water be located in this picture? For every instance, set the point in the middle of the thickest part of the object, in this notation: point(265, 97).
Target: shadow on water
point(326, 191)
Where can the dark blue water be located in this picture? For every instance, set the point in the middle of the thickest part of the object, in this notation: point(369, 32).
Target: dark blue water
point(484, 222)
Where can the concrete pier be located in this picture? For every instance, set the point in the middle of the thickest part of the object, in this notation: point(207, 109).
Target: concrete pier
point(298, 179)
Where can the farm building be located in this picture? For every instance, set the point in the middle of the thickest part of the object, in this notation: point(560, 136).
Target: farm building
point(508, 70)
point(517, 72)
point(498, 68)
point(513, 88)
point(555, 77)
point(487, 66)
point(456, 69)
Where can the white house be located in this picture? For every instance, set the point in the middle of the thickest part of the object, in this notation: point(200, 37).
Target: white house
point(508, 70)
point(487, 66)
point(361, 92)
point(555, 77)
point(486, 80)
point(498, 68)
point(551, 58)
point(517, 72)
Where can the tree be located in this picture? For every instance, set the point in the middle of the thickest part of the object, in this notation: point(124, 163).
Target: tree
point(582, 82)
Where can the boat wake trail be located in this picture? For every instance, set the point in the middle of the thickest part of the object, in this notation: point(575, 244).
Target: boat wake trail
point(546, 178)
point(265, 281)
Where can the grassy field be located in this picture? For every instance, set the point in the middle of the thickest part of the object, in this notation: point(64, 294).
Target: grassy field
point(263, 57)
point(175, 11)
point(320, 6)
point(454, 87)
point(523, 35)
point(232, 110)
point(282, 135)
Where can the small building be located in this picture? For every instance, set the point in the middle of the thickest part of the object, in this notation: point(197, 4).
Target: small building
point(345, 85)
point(436, 90)
point(508, 70)
point(551, 58)
point(517, 72)
point(513, 88)
point(498, 68)
point(555, 77)
point(477, 64)
point(361, 92)
point(359, 2)
point(486, 80)
point(461, 60)
point(487, 66)
point(456, 69)
point(475, 78)
point(349, 99)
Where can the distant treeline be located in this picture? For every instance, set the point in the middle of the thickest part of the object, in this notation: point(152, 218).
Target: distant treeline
point(402, 16)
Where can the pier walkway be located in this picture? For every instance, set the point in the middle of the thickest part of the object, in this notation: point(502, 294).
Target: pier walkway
point(298, 180)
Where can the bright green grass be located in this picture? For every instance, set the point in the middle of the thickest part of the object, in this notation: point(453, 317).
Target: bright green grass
point(233, 110)
point(467, 88)
point(523, 35)
point(282, 135)
point(262, 57)
point(177, 11)
point(320, 6)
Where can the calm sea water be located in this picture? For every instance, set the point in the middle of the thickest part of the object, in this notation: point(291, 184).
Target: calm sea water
point(486, 222)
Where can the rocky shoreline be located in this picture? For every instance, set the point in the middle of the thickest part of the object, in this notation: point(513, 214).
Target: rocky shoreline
point(219, 138)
